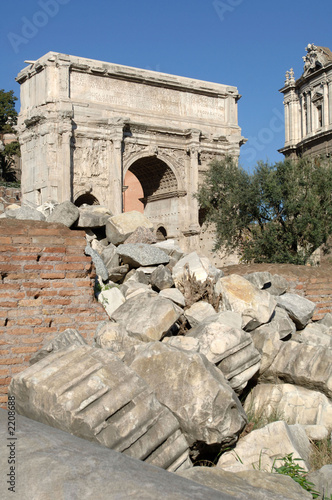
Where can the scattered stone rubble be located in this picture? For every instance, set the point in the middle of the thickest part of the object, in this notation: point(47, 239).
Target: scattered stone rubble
point(163, 378)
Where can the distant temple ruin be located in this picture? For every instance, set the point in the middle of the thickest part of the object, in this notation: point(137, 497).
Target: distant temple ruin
point(127, 138)
point(308, 105)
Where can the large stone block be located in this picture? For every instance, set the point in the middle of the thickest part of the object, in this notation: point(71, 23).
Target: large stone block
point(198, 312)
point(93, 216)
point(66, 213)
point(64, 339)
point(299, 308)
point(322, 479)
point(114, 337)
point(267, 341)
point(90, 393)
point(261, 447)
point(239, 295)
point(316, 334)
point(147, 316)
point(261, 485)
point(111, 299)
point(142, 235)
point(120, 227)
point(175, 295)
point(305, 365)
point(294, 404)
point(110, 257)
point(24, 213)
point(190, 263)
point(161, 278)
point(55, 465)
point(231, 349)
point(194, 390)
point(141, 254)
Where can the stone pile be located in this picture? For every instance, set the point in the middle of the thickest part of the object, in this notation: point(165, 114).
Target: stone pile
point(162, 378)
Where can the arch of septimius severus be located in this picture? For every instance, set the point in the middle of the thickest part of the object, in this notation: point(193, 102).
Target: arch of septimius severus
point(97, 132)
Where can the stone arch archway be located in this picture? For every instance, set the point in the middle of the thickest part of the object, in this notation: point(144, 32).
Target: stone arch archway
point(86, 199)
point(151, 187)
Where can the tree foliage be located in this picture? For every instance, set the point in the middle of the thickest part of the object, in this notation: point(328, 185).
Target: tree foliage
point(8, 113)
point(8, 118)
point(280, 213)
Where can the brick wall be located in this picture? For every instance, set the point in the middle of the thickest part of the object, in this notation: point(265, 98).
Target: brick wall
point(46, 286)
point(318, 290)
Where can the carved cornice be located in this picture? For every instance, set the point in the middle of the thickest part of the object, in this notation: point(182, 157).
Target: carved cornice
point(164, 196)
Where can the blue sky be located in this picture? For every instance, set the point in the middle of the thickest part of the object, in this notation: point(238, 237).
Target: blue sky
point(246, 43)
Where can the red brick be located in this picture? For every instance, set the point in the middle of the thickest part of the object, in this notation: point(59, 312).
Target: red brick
point(37, 284)
point(49, 231)
point(24, 312)
point(29, 321)
point(7, 248)
point(5, 381)
point(9, 286)
point(23, 257)
point(52, 276)
point(21, 240)
point(73, 275)
point(10, 361)
point(39, 267)
point(79, 241)
point(20, 276)
point(47, 240)
point(25, 349)
point(29, 302)
point(51, 311)
point(63, 319)
point(46, 293)
point(62, 284)
point(87, 283)
point(20, 331)
point(56, 302)
point(8, 303)
point(15, 230)
point(69, 267)
point(3, 390)
point(35, 340)
point(44, 329)
point(17, 369)
point(69, 293)
point(75, 250)
point(79, 258)
point(54, 249)
point(17, 295)
point(10, 268)
point(5, 240)
point(51, 258)
point(31, 249)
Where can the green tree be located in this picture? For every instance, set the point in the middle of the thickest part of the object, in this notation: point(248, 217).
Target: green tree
point(280, 213)
point(8, 118)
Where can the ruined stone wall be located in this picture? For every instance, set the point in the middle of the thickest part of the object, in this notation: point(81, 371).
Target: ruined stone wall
point(46, 286)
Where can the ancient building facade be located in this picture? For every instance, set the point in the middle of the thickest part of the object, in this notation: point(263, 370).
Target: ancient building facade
point(97, 132)
point(308, 105)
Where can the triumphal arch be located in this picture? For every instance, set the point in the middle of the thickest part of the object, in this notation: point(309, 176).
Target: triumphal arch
point(127, 138)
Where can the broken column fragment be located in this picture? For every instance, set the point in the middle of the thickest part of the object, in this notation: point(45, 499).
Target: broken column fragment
point(90, 393)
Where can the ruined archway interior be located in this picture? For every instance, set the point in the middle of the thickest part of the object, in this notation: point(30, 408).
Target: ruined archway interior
point(86, 199)
point(150, 187)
